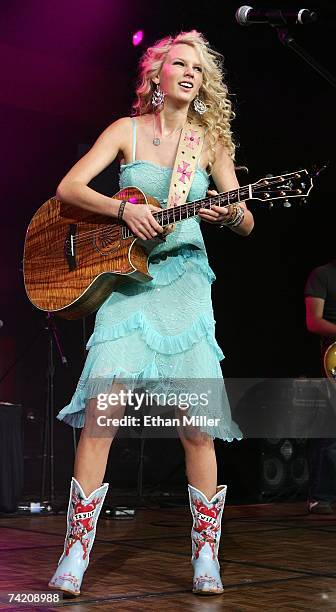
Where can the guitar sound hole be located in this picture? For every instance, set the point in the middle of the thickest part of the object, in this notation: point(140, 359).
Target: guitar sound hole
point(107, 239)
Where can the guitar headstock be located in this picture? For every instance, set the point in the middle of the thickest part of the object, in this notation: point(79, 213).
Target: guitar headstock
point(290, 185)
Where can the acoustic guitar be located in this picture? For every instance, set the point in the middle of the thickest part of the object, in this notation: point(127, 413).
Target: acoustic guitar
point(73, 259)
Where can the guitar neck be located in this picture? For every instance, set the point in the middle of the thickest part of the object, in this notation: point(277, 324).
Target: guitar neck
point(188, 210)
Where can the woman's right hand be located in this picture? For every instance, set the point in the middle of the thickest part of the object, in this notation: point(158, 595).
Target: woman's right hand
point(140, 220)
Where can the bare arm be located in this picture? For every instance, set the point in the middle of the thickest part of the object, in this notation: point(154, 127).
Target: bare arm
point(74, 189)
point(224, 175)
point(314, 318)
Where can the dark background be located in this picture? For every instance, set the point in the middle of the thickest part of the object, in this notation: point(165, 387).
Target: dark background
point(68, 69)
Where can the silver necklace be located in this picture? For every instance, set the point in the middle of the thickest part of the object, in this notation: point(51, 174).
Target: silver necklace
point(156, 139)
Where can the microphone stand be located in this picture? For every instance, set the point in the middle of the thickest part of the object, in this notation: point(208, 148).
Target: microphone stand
point(288, 41)
point(48, 434)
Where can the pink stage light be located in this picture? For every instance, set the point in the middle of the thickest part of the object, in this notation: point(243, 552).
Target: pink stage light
point(138, 37)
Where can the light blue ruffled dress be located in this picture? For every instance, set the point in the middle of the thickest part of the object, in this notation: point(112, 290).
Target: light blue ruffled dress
point(164, 329)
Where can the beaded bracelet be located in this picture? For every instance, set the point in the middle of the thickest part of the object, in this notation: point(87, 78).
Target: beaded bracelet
point(236, 218)
point(232, 211)
point(121, 210)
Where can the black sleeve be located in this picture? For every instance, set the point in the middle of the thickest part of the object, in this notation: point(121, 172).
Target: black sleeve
point(317, 284)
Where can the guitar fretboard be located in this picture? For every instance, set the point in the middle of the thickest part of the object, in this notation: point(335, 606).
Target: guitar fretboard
point(190, 209)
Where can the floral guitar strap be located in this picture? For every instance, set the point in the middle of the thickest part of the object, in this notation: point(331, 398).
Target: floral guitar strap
point(186, 161)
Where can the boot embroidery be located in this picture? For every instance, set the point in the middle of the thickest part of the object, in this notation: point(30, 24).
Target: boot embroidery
point(81, 523)
point(207, 580)
point(206, 525)
point(68, 578)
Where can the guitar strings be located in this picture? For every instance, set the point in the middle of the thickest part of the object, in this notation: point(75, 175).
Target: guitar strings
point(84, 236)
point(263, 183)
point(106, 233)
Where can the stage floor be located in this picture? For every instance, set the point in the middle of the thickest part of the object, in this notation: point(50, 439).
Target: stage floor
point(273, 557)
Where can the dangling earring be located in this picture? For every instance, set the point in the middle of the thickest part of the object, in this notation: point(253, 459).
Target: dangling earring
point(199, 106)
point(158, 96)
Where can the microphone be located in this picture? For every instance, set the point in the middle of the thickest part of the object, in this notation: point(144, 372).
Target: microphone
point(247, 15)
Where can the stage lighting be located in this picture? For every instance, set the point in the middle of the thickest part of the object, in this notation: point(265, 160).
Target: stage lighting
point(138, 38)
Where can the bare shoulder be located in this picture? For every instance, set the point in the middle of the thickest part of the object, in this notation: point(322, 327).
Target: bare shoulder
point(119, 134)
point(144, 119)
point(222, 157)
point(118, 131)
point(120, 124)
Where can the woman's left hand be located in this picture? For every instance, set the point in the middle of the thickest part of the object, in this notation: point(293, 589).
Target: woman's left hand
point(215, 214)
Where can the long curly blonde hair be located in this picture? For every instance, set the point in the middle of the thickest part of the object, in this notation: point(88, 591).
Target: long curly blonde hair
point(213, 91)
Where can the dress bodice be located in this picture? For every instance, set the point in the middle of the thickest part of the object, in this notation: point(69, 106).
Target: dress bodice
point(155, 180)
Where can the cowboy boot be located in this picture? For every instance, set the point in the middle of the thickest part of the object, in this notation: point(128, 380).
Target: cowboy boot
point(205, 536)
point(83, 513)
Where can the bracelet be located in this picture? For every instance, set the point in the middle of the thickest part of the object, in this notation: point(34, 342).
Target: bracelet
point(232, 209)
point(121, 210)
point(236, 218)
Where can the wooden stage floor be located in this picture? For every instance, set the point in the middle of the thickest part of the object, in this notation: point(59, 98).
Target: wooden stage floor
point(273, 557)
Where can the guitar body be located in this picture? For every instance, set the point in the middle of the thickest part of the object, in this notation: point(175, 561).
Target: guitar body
point(73, 259)
point(329, 362)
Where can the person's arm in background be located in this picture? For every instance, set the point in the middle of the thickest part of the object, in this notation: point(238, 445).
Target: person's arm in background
point(314, 317)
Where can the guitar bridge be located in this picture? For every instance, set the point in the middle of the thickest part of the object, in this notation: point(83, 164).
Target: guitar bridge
point(70, 247)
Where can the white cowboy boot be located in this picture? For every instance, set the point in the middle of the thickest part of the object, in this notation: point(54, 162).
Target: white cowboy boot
point(83, 513)
point(205, 536)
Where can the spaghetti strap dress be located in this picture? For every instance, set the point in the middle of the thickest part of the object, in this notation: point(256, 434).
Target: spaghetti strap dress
point(164, 329)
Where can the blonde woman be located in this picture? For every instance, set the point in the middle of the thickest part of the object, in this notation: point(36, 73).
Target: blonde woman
point(165, 328)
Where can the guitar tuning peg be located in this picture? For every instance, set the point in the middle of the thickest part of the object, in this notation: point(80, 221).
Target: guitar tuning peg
point(287, 204)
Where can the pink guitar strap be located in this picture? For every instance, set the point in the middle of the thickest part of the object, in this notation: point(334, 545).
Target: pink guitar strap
point(186, 161)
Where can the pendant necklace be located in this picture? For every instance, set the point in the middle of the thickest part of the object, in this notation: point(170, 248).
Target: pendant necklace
point(156, 140)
